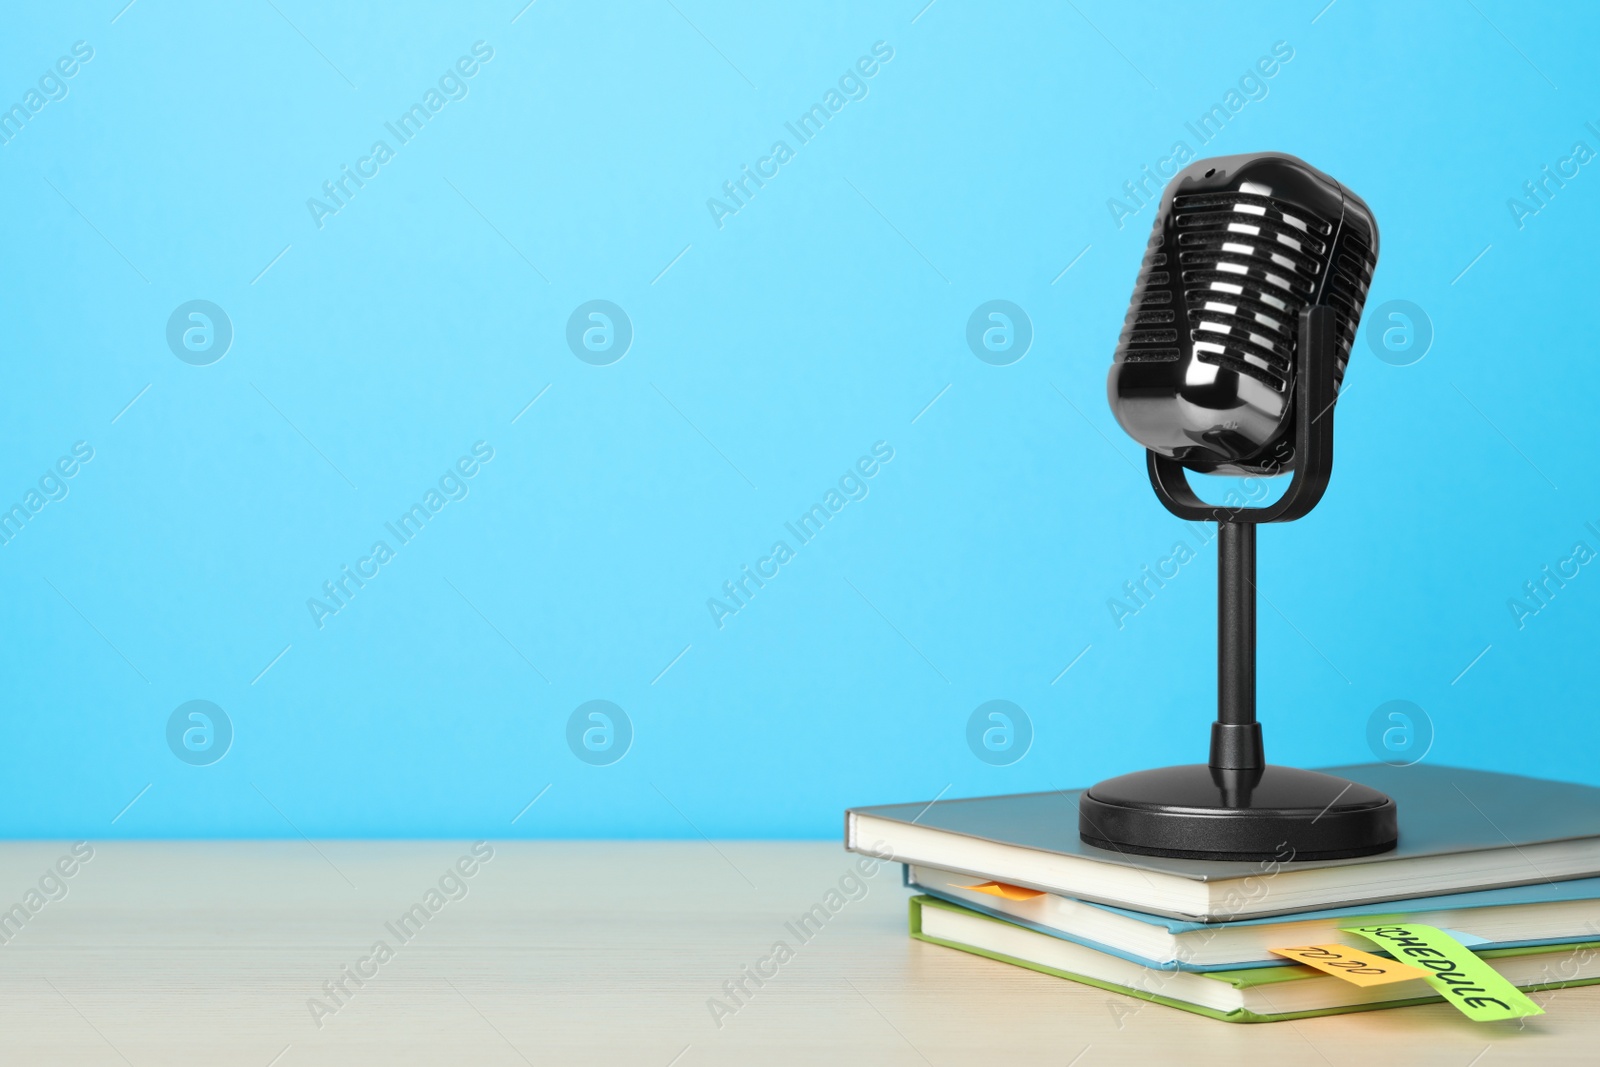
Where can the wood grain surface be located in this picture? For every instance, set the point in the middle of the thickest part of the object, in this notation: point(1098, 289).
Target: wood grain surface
point(220, 953)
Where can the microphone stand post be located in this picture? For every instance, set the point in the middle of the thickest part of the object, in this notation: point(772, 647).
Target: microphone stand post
point(1237, 806)
point(1236, 736)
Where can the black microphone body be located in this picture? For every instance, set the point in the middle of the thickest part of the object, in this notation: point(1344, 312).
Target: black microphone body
point(1230, 360)
point(1204, 371)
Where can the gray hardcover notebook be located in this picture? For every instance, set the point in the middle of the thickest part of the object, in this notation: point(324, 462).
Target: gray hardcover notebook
point(1459, 830)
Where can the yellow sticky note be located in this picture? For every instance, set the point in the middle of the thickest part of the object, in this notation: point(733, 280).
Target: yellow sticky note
point(1475, 988)
point(1357, 968)
point(1004, 890)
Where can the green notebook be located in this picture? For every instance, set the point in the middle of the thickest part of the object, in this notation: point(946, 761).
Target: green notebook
point(1249, 995)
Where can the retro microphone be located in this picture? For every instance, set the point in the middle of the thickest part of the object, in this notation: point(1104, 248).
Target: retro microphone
point(1231, 356)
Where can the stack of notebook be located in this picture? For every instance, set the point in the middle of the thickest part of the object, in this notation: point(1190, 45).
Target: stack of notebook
point(1493, 873)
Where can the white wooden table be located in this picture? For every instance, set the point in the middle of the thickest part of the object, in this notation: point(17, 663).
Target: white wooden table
point(587, 952)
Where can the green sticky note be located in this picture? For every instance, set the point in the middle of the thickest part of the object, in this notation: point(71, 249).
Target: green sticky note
point(1474, 987)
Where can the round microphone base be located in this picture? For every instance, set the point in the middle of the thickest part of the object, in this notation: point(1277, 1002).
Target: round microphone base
point(1211, 813)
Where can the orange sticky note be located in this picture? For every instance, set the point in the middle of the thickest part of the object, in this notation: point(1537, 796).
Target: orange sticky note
point(1004, 890)
point(1355, 967)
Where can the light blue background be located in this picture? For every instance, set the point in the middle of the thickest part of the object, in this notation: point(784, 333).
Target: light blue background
point(820, 319)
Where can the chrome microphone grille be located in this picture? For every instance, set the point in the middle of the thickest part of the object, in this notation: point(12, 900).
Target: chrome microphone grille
point(1241, 246)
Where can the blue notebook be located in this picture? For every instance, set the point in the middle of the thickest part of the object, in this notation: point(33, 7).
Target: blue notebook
point(1549, 913)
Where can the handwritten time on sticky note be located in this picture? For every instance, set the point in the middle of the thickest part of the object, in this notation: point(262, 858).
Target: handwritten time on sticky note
point(1004, 890)
point(1475, 988)
point(1355, 967)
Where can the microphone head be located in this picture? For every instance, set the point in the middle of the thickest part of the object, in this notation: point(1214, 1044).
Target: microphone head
point(1205, 368)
